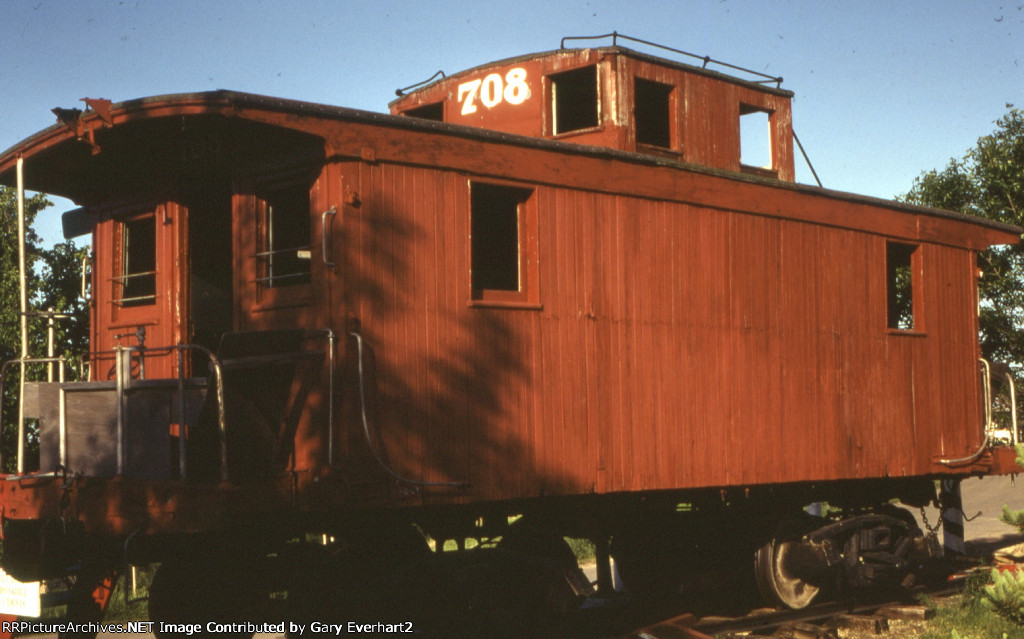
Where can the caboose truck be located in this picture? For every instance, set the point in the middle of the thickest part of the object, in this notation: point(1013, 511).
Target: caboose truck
point(550, 296)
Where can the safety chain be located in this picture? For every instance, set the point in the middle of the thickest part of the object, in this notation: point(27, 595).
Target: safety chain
point(934, 530)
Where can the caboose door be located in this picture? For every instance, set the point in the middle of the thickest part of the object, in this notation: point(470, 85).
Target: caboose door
point(138, 289)
point(286, 279)
point(210, 282)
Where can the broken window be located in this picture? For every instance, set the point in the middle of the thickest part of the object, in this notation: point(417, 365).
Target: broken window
point(755, 137)
point(285, 253)
point(652, 110)
point(574, 100)
point(427, 112)
point(902, 267)
point(135, 283)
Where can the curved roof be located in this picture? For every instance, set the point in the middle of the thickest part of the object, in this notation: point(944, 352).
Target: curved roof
point(71, 162)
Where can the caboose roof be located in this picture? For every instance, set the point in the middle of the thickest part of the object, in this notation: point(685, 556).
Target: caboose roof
point(134, 139)
point(763, 84)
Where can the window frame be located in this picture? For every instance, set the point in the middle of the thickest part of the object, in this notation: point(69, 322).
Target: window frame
point(434, 111)
point(252, 204)
point(668, 92)
point(772, 169)
point(267, 251)
point(120, 276)
point(552, 80)
point(910, 257)
point(527, 296)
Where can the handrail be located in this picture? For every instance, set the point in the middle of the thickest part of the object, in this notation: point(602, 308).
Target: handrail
point(377, 454)
point(986, 389)
point(325, 244)
point(988, 428)
point(22, 302)
point(615, 35)
point(1015, 438)
point(331, 337)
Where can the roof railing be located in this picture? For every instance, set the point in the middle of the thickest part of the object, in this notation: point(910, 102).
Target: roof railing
point(763, 78)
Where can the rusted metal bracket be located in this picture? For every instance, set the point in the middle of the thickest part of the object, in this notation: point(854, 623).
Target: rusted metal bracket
point(72, 119)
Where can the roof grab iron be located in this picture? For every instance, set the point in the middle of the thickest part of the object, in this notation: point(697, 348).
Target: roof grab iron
point(400, 92)
point(705, 59)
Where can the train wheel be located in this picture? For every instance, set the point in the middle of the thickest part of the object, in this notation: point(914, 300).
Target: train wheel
point(543, 578)
point(650, 559)
point(775, 581)
point(364, 578)
point(189, 592)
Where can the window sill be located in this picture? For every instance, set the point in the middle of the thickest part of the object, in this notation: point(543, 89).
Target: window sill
point(269, 299)
point(759, 171)
point(506, 304)
point(660, 151)
point(568, 134)
point(134, 323)
point(906, 333)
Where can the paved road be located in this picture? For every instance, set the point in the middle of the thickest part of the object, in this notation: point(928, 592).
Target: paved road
point(983, 501)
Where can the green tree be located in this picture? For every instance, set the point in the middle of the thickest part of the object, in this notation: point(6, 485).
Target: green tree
point(53, 282)
point(988, 182)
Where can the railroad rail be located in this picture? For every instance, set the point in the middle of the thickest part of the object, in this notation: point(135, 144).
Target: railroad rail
point(818, 621)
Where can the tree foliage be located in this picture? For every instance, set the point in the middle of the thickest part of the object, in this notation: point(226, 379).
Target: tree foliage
point(1005, 595)
point(53, 277)
point(988, 182)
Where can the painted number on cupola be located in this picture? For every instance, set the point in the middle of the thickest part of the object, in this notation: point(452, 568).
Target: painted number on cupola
point(492, 90)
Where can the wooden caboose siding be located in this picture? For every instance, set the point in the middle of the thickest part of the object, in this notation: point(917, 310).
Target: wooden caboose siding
point(678, 345)
point(696, 327)
point(704, 118)
point(607, 171)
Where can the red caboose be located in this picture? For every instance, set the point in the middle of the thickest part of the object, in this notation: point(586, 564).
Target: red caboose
point(556, 286)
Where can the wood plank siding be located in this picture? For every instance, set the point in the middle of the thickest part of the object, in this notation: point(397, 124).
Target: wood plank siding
point(677, 345)
point(675, 319)
point(702, 108)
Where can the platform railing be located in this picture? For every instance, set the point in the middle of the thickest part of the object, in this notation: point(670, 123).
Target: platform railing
point(23, 364)
point(123, 383)
point(992, 434)
point(1005, 430)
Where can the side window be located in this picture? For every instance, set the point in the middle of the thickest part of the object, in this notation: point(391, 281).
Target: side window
point(574, 104)
point(503, 244)
point(135, 279)
point(903, 268)
point(284, 231)
point(653, 113)
point(427, 112)
point(755, 138)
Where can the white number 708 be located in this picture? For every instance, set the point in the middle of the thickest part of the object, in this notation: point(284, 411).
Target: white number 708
point(491, 90)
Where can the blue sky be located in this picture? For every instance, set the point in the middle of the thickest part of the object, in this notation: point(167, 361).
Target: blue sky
point(884, 89)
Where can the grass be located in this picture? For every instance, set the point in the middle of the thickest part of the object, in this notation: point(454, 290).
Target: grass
point(965, 617)
point(582, 548)
point(970, 621)
point(121, 606)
